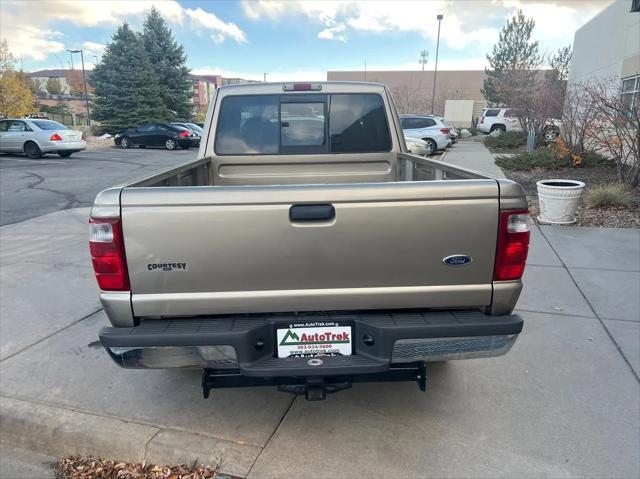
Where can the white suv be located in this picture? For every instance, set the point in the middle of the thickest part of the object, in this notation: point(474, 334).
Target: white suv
point(503, 119)
point(427, 128)
point(506, 119)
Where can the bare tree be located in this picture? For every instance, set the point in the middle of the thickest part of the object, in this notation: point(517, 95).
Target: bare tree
point(577, 114)
point(613, 128)
point(410, 100)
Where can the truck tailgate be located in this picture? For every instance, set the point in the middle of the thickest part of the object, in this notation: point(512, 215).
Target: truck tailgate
point(245, 249)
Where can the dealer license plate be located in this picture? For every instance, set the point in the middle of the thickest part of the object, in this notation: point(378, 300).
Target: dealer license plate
point(314, 339)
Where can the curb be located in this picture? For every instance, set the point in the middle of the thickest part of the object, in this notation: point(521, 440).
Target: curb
point(59, 432)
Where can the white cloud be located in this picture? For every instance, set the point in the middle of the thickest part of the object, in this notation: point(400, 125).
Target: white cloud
point(465, 23)
point(26, 25)
point(93, 48)
point(26, 41)
point(220, 29)
point(333, 33)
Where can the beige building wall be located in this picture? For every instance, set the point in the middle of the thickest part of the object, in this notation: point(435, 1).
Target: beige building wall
point(412, 90)
point(608, 46)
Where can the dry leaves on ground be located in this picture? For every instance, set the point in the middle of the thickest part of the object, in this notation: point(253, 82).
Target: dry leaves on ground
point(78, 467)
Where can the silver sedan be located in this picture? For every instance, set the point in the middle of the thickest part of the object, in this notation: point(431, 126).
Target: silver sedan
point(35, 137)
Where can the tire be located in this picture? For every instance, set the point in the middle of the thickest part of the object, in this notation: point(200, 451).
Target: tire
point(431, 147)
point(498, 127)
point(65, 154)
point(550, 134)
point(170, 144)
point(125, 142)
point(32, 150)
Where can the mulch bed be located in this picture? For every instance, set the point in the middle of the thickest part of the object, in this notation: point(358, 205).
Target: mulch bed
point(612, 217)
point(78, 467)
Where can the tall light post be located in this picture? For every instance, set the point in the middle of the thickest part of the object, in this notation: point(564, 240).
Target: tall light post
point(84, 80)
point(264, 77)
point(435, 72)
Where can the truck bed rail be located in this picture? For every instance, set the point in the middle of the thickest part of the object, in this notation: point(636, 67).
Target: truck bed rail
point(410, 168)
point(418, 168)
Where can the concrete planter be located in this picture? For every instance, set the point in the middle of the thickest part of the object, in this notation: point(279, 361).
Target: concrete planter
point(559, 200)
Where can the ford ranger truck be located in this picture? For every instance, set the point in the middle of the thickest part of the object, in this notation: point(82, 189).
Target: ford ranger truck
point(305, 248)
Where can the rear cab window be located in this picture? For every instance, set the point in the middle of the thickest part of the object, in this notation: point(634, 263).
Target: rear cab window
point(303, 124)
point(492, 112)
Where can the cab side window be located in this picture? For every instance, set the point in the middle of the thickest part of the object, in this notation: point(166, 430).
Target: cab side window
point(4, 125)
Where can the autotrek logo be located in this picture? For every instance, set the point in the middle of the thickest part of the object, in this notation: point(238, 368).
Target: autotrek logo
point(291, 338)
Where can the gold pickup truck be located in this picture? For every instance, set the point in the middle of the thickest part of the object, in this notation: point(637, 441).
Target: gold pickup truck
point(306, 248)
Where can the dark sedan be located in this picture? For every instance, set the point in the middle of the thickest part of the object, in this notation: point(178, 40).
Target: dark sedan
point(157, 134)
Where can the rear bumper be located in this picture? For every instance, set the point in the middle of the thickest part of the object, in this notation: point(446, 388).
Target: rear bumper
point(188, 141)
point(247, 343)
point(56, 146)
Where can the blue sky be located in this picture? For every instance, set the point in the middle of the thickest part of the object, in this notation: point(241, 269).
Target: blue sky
point(292, 39)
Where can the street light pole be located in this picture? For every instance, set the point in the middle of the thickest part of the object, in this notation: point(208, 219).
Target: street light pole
point(84, 80)
point(264, 77)
point(435, 72)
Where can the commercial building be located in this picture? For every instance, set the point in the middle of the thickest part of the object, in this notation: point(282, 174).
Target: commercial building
point(204, 87)
point(412, 90)
point(608, 48)
point(41, 77)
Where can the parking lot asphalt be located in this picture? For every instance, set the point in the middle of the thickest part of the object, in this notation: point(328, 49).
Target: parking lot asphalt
point(31, 188)
point(564, 402)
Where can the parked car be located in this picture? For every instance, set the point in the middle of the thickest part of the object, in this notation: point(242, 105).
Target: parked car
point(308, 257)
point(193, 128)
point(453, 133)
point(157, 134)
point(190, 126)
point(417, 146)
point(506, 119)
point(427, 128)
point(37, 137)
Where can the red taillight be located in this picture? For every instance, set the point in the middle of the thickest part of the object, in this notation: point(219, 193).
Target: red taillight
point(445, 130)
point(482, 119)
point(513, 245)
point(107, 254)
point(55, 137)
point(183, 134)
point(83, 137)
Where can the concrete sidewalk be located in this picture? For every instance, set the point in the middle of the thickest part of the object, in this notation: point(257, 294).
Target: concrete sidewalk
point(473, 155)
point(564, 402)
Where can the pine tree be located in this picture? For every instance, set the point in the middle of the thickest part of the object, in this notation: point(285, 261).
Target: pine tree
point(560, 64)
point(125, 87)
point(513, 61)
point(169, 64)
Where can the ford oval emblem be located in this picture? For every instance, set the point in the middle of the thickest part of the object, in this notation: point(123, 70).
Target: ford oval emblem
point(457, 259)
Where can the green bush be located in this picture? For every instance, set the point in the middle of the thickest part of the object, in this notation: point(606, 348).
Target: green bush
point(608, 195)
point(541, 158)
point(549, 158)
point(509, 140)
point(473, 131)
